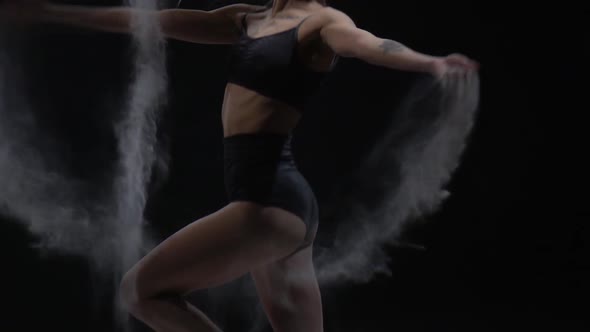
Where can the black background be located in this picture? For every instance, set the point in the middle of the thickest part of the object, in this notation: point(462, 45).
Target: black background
point(509, 250)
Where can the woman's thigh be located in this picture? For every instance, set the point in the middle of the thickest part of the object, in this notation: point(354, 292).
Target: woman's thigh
point(215, 250)
point(290, 294)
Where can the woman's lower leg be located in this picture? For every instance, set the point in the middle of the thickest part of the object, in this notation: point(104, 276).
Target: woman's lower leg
point(172, 314)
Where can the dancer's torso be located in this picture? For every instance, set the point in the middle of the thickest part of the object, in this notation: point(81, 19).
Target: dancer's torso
point(275, 65)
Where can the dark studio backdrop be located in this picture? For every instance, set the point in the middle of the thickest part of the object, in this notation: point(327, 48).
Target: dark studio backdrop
point(509, 250)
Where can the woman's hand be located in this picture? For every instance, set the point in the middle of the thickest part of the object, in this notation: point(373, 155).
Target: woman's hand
point(451, 64)
point(21, 12)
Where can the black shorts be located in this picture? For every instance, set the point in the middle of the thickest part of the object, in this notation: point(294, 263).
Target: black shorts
point(260, 168)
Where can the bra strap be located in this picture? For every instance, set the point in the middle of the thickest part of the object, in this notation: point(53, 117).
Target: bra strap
point(305, 19)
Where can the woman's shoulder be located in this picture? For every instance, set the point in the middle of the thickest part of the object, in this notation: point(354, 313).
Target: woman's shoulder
point(244, 9)
point(330, 15)
point(237, 12)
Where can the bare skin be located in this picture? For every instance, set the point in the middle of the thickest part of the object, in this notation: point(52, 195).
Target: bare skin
point(242, 238)
point(245, 111)
point(238, 239)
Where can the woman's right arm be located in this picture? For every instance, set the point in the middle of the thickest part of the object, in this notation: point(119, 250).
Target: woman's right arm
point(220, 26)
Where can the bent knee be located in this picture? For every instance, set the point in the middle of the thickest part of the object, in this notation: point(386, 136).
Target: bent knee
point(135, 290)
point(130, 295)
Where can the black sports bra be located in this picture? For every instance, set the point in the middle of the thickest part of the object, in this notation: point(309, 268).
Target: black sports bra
point(270, 66)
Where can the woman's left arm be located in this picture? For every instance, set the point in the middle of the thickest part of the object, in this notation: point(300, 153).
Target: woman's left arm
point(341, 34)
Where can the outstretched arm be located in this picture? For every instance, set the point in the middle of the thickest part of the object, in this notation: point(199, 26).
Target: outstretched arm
point(341, 34)
point(218, 26)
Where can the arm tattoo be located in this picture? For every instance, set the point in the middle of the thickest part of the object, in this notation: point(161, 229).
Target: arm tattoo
point(390, 46)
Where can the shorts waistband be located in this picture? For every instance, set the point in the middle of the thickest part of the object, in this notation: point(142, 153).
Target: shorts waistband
point(258, 146)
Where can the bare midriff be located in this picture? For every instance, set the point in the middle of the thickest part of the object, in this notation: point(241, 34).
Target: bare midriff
point(247, 112)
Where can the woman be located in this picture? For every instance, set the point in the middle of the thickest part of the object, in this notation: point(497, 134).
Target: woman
point(280, 54)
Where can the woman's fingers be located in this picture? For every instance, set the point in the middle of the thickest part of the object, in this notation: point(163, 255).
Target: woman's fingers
point(462, 60)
